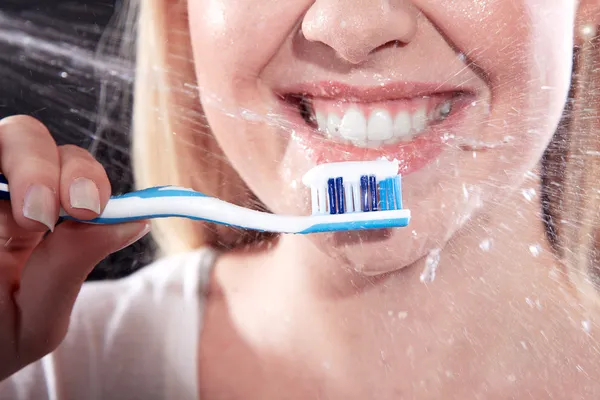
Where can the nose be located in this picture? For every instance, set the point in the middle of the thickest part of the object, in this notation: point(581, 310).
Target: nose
point(356, 28)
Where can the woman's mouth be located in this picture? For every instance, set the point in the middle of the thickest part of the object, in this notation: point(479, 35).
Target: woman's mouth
point(406, 122)
point(375, 124)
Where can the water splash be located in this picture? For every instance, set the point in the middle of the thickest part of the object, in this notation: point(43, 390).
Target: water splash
point(529, 194)
point(485, 244)
point(431, 265)
point(587, 326)
point(535, 249)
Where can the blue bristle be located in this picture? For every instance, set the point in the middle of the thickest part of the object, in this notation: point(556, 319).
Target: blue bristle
point(382, 197)
point(385, 195)
point(373, 190)
point(398, 191)
point(390, 193)
point(339, 191)
point(364, 193)
point(3, 179)
point(331, 193)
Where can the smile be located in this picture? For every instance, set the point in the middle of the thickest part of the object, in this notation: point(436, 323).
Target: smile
point(406, 122)
point(375, 124)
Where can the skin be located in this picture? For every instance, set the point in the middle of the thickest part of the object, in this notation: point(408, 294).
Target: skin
point(345, 317)
point(245, 78)
point(40, 277)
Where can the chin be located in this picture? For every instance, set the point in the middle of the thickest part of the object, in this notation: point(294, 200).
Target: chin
point(384, 251)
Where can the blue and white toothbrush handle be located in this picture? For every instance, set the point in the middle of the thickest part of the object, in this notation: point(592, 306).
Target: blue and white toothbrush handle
point(170, 201)
point(4, 193)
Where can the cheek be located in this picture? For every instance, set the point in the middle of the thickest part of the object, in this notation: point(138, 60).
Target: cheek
point(234, 40)
point(523, 49)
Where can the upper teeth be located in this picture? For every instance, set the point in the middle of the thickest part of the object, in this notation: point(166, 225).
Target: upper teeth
point(380, 127)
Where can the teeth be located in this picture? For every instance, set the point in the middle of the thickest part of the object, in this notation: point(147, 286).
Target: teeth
point(354, 125)
point(402, 126)
point(333, 124)
point(380, 126)
point(443, 111)
point(419, 120)
point(322, 121)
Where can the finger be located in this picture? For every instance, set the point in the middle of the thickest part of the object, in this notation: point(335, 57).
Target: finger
point(16, 244)
point(53, 276)
point(29, 159)
point(84, 185)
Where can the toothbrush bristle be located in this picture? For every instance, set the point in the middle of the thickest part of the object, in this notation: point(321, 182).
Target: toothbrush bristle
point(355, 187)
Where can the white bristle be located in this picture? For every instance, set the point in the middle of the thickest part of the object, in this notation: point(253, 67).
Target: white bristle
point(356, 195)
point(349, 201)
point(322, 190)
point(315, 200)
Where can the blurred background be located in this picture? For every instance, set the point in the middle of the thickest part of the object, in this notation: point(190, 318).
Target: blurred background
point(49, 68)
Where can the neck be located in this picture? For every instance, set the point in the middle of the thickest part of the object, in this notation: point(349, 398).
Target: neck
point(497, 302)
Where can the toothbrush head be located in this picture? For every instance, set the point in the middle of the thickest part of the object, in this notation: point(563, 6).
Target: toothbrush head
point(355, 187)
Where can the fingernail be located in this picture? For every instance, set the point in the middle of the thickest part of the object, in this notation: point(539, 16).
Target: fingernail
point(84, 194)
point(40, 205)
point(137, 234)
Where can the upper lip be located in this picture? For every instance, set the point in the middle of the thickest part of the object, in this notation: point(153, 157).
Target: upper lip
point(368, 94)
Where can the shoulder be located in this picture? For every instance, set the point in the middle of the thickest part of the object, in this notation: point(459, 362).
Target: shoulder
point(140, 310)
point(166, 283)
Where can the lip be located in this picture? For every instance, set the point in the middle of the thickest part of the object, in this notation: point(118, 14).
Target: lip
point(368, 94)
point(412, 155)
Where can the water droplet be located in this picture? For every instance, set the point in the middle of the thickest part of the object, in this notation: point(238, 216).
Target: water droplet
point(586, 325)
point(524, 345)
point(402, 315)
point(533, 303)
point(535, 249)
point(431, 265)
point(511, 378)
point(64, 74)
point(390, 313)
point(485, 244)
point(529, 194)
point(250, 116)
point(529, 302)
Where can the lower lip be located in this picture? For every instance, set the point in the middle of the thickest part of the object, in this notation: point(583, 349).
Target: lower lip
point(412, 156)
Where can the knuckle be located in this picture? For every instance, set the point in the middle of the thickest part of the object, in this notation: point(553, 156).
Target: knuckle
point(73, 150)
point(76, 158)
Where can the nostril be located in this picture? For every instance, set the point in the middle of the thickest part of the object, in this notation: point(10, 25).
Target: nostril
point(391, 44)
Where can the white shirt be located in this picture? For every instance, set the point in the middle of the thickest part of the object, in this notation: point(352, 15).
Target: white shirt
point(134, 338)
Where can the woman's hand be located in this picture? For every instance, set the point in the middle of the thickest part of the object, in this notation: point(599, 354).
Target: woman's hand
point(41, 275)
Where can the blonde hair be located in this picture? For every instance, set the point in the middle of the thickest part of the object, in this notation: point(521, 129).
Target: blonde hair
point(572, 173)
point(167, 109)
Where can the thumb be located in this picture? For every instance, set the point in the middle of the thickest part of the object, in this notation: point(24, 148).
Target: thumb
point(53, 275)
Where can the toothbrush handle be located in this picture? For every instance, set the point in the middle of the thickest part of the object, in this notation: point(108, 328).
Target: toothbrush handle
point(4, 192)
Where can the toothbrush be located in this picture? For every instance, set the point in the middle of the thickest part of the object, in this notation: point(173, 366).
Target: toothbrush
point(345, 196)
